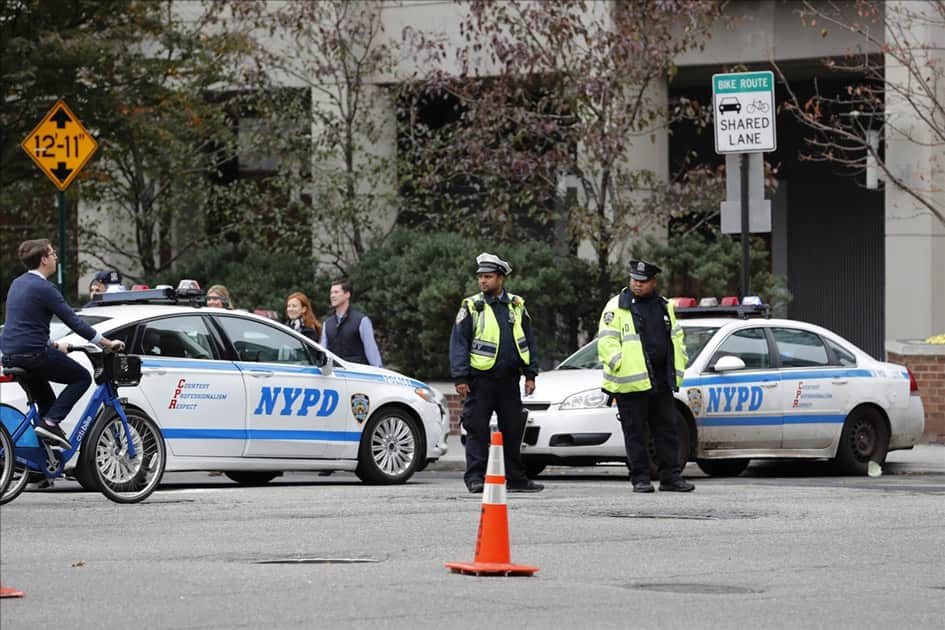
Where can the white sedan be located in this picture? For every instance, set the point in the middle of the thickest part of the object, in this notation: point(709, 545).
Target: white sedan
point(238, 393)
point(754, 389)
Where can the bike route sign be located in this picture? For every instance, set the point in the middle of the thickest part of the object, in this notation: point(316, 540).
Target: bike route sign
point(743, 108)
point(60, 145)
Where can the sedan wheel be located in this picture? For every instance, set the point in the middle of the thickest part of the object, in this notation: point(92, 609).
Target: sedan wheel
point(389, 451)
point(865, 439)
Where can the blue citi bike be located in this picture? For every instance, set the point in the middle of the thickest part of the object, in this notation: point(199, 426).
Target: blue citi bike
point(120, 453)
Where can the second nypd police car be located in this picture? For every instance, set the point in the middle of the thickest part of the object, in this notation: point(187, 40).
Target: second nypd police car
point(755, 388)
point(238, 393)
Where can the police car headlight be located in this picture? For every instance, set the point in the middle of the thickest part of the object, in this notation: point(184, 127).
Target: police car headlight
point(426, 394)
point(590, 399)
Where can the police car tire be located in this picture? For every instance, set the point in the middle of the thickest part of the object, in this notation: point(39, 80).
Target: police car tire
point(368, 470)
point(865, 438)
point(723, 467)
point(85, 477)
point(252, 477)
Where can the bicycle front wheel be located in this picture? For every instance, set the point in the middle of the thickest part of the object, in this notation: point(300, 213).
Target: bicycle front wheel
point(120, 477)
point(7, 458)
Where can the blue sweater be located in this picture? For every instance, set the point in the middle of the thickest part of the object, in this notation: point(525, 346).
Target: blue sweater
point(31, 303)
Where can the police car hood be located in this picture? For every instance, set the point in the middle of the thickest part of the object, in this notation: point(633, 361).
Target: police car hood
point(556, 385)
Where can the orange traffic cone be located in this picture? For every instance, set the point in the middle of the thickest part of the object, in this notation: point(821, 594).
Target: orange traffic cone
point(492, 542)
point(10, 592)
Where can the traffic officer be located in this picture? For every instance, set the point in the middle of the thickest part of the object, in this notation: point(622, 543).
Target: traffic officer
point(491, 347)
point(641, 348)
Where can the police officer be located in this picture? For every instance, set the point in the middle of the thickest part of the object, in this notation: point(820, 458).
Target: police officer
point(491, 347)
point(641, 348)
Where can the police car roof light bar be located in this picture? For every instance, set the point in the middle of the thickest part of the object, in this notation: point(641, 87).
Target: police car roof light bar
point(686, 308)
point(166, 295)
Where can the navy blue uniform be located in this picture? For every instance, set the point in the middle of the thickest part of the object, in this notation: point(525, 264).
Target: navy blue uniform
point(31, 303)
point(494, 390)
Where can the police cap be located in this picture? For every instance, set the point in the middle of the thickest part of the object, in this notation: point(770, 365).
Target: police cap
point(490, 263)
point(108, 276)
point(643, 270)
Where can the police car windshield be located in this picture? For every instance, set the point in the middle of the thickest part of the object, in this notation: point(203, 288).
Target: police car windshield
point(586, 357)
point(58, 330)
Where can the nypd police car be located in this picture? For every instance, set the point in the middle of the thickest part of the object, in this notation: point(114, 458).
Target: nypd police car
point(755, 388)
point(239, 393)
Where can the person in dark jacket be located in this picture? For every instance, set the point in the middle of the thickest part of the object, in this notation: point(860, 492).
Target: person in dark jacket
point(299, 316)
point(491, 347)
point(31, 303)
point(349, 333)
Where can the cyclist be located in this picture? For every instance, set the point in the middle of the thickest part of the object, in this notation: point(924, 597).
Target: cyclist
point(31, 302)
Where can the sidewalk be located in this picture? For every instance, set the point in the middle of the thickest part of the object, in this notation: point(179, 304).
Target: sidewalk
point(927, 458)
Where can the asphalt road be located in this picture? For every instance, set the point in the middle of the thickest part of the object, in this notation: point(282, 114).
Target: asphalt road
point(783, 546)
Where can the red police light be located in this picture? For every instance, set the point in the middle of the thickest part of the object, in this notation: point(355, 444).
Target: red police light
point(730, 300)
point(685, 302)
point(139, 287)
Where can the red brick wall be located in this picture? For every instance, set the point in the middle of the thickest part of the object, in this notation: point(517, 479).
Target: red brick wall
point(929, 373)
point(456, 410)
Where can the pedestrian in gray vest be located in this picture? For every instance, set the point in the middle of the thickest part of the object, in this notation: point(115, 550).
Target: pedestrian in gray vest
point(349, 333)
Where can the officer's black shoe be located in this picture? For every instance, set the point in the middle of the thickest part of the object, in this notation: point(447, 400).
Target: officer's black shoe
point(642, 486)
point(526, 485)
point(52, 434)
point(475, 487)
point(677, 485)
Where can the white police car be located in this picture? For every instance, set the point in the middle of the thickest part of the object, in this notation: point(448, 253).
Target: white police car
point(754, 389)
point(242, 394)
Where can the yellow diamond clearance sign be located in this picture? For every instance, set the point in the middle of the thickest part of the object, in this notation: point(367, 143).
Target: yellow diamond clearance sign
point(60, 145)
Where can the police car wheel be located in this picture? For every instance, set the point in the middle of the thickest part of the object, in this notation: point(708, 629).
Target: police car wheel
point(85, 476)
point(390, 448)
point(865, 438)
point(252, 477)
point(723, 467)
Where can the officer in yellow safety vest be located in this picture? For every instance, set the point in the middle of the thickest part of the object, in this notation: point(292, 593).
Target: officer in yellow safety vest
point(491, 347)
point(641, 348)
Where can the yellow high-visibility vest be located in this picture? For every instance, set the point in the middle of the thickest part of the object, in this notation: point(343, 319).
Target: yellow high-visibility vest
point(620, 350)
point(485, 343)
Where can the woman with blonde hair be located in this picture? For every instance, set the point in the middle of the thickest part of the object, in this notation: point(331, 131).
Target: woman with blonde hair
point(218, 296)
point(298, 312)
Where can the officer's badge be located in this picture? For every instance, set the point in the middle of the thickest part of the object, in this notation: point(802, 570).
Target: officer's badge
point(608, 317)
point(360, 405)
point(461, 315)
point(641, 266)
point(695, 400)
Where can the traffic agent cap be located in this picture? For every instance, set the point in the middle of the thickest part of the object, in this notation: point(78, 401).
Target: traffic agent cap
point(108, 276)
point(643, 270)
point(490, 263)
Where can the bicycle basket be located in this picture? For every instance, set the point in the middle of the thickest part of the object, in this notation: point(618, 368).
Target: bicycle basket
point(123, 369)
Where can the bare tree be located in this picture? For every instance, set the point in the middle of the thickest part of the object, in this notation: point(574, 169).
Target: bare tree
point(900, 92)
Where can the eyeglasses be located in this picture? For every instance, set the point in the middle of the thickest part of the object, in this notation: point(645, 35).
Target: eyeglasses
point(52, 253)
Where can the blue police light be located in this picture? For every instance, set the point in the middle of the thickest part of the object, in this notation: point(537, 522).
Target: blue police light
point(752, 300)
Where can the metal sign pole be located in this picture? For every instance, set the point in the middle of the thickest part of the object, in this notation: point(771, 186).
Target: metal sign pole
point(746, 272)
point(63, 249)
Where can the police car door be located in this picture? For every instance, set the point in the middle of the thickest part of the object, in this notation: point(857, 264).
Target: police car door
point(816, 389)
point(292, 409)
point(742, 407)
point(199, 397)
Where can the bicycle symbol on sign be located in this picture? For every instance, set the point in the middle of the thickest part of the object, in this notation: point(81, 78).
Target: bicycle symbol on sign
point(758, 105)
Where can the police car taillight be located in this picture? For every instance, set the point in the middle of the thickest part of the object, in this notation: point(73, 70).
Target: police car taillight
point(913, 386)
point(6, 378)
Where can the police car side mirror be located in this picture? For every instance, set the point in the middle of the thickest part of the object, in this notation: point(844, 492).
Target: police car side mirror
point(728, 363)
point(329, 366)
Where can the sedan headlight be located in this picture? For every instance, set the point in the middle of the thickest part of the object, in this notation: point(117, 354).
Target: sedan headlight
point(589, 399)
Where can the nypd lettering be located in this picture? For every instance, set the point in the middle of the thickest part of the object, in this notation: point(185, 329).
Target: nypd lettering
point(735, 398)
point(285, 401)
